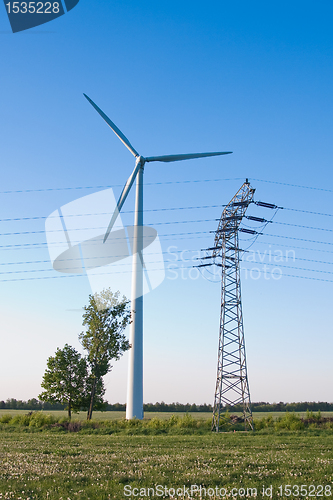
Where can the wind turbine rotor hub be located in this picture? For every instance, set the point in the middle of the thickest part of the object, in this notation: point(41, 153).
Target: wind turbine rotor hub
point(141, 160)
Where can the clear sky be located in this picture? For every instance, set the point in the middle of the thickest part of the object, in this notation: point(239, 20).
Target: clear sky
point(176, 77)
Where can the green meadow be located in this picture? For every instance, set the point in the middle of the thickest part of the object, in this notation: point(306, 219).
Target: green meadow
point(163, 458)
point(46, 465)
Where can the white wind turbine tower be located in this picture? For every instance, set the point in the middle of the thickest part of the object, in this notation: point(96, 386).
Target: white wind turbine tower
point(134, 406)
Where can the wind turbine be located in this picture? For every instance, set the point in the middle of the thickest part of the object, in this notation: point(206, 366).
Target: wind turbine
point(134, 406)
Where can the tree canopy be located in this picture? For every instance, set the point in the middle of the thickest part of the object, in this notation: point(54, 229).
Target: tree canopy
point(105, 318)
point(65, 379)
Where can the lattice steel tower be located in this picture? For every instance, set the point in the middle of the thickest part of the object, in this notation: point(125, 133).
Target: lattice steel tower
point(232, 387)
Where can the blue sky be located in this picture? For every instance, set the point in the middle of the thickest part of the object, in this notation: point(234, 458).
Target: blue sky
point(252, 78)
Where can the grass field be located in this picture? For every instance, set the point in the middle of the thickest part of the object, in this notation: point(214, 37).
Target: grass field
point(72, 466)
point(114, 415)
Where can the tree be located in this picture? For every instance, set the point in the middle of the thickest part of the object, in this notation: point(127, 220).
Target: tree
point(105, 318)
point(99, 403)
point(65, 379)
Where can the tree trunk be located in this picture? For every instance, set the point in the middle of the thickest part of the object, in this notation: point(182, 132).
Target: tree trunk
point(92, 399)
point(69, 410)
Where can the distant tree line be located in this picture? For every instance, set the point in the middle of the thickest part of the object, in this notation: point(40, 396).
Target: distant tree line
point(174, 407)
point(302, 406)
point(160, 407)
point(31, 404)
point(35, 404)
point(256, 407)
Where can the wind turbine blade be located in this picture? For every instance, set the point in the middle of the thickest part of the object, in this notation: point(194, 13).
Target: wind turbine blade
point(114, 127)
point(190, 156)
point(122, 199)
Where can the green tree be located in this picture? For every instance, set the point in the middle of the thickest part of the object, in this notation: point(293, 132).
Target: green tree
point(105, 318)
point(65, 379)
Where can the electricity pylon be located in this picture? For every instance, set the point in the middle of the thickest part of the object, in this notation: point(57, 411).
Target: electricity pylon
point(232, 387)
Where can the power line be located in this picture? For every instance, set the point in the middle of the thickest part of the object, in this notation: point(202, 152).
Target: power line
point(44, 244)
point(73, 188)
point(293, 259)
point(42, 217)
point(292, 185)
point(91, 258)
point(116, 185)
point(277, 264)
point(299, 239)
point(157, 269)
point(198, 234)
point(103, 227)
point(15, 233)
point(199, 207)
point(307, 212)
point(293, 247)
point(85, 275)
point(295, 268)
point(304, 227)
point(304, 277)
